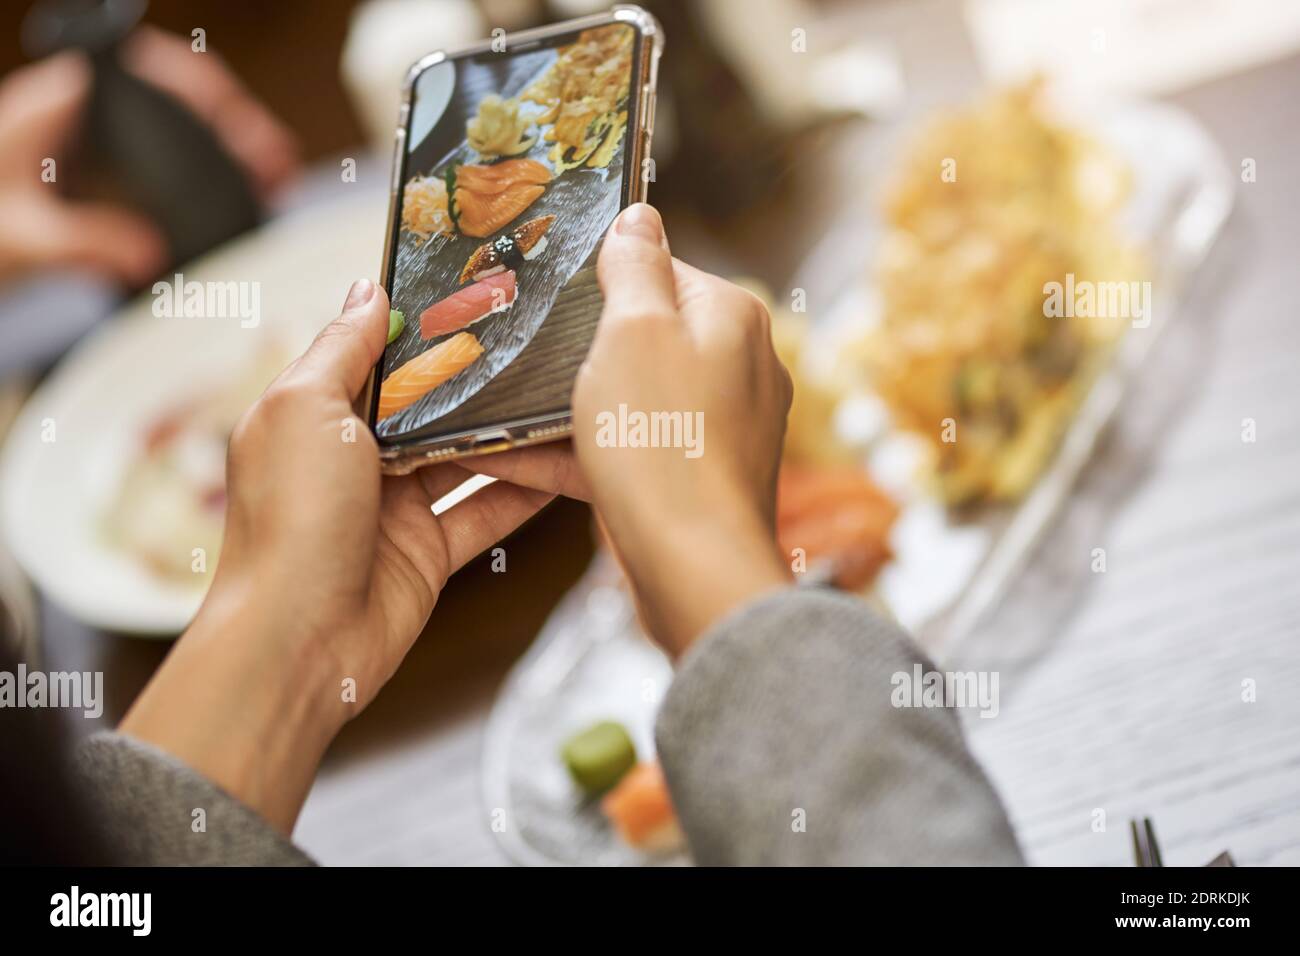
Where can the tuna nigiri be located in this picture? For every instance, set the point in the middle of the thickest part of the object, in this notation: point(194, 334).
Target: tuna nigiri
point(496, 293)
point(523, 244)
point(641, 810)
point(485, 198)
point(422, 374)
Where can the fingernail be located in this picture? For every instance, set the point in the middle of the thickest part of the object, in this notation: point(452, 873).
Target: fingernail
point(641, 221)
point(359, 294)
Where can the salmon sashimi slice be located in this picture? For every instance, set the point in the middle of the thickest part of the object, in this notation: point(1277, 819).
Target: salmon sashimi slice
point(511, 171)
point(496, 293)
point(422, 374)
point(481, 214)
point(488, 197)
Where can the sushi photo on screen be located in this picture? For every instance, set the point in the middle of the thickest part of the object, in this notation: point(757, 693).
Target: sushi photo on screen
point(515, 166)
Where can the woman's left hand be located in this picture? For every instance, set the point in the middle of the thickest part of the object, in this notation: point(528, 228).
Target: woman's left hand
point(328, 573)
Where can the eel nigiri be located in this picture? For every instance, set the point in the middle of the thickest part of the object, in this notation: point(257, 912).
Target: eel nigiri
point(485, 198)
point(641, 810)
point(511, 251)
point(495, 293)
point(422, 374)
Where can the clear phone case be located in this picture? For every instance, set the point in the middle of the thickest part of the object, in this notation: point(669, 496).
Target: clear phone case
point(402, 458)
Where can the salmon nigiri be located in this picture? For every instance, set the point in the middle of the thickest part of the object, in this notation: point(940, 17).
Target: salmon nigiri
point(425, 372)
point(641, 810)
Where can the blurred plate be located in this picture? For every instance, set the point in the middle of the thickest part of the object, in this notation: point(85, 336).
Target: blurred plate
point(949, 573)
point(17, 608)
point(103, 395)
point(590, 663)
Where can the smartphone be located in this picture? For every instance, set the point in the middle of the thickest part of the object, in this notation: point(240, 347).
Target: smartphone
point(513, 157)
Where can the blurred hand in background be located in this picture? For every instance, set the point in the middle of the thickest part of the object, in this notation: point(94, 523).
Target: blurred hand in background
point(40, 110)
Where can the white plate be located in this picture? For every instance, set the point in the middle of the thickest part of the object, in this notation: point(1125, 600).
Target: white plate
point(948, 572)
point(590, 663)
point(136, 365)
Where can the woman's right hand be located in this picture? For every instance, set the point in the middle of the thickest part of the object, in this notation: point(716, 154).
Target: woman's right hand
point(692, 524)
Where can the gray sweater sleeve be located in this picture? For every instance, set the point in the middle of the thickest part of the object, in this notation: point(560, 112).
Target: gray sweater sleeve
point(781, 745)
point(778, 740)
point(145, 801)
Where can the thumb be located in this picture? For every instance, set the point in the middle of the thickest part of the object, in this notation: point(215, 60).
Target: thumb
point(635, 269)
point(347, 349)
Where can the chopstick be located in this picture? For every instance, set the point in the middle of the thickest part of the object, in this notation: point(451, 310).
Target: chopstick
point(1146, 849)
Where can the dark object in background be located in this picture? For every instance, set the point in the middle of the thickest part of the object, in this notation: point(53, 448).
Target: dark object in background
point(44, 821)
point(1146, 850)
point(139, 146)
point(728, 158)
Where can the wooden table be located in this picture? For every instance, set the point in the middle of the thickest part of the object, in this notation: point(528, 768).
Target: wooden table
point(1133, 706)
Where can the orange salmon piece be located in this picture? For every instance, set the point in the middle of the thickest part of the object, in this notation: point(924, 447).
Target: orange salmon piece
point(479, 214)
point(641, 810)
point(511, 171)
point(489, 197)
point(427, 371)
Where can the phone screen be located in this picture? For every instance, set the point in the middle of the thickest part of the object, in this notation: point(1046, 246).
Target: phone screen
point(515, 165)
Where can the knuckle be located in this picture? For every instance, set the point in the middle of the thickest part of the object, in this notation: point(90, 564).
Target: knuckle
point(636, 252)
point(281, 400)
point(755, 312)
point(787, 386)
point(338, 329)
point(239, 435)
point(744, 310)
point(586, 376)
point(244, 437)
point(640, 319)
